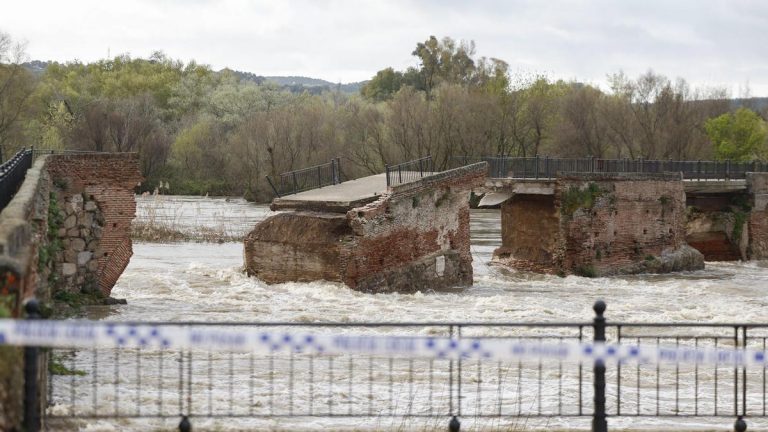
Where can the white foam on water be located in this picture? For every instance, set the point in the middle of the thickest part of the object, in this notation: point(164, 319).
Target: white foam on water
point(205, 282)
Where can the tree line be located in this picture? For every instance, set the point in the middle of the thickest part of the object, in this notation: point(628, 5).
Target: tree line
point(200, 131)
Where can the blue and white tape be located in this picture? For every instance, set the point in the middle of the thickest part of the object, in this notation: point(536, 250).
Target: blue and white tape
point(89, 334)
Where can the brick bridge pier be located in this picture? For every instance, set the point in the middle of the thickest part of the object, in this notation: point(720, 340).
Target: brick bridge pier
point(597, 224)
point(371, 234)
point(66, 231)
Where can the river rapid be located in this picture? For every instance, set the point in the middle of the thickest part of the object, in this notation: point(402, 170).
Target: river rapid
point(205, 282)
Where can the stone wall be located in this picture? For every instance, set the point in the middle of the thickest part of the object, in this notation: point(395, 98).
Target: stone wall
point(23, 229)
point(68, 224)
point(601, 225)
point(97, 196)
point(414, 237)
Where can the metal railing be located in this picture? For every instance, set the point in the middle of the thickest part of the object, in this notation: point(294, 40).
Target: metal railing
point(12, 173)
point(547, 168)
point(306, 178)
point(37, 152)
point(407, 172)
point(152, 385)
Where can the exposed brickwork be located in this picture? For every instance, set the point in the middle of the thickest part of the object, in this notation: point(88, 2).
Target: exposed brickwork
point(757, 186)
point(529, 230)
point(597, 225)
point(109, 180)
point(415, 237)
point(106, 180)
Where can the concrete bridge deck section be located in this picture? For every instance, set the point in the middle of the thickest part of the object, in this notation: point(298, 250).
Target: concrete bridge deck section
point(342, 197)
point(338, 198)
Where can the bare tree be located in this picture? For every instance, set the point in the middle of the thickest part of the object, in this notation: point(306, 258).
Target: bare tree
point(16, 88)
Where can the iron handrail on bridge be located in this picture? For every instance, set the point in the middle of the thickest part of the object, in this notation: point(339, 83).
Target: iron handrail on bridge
point(544, 167)
point(409, 171)
point(12, 173)
point(37, 152)
point(305, 179)
point(116, 382)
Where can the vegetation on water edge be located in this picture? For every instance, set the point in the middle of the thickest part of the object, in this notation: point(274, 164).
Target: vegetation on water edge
point(161, 233)
point(57, 367)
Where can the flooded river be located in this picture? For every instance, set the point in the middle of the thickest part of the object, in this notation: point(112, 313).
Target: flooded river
point(205, 282)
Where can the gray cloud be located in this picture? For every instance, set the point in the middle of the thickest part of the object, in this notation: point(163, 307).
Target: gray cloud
point(706, 42)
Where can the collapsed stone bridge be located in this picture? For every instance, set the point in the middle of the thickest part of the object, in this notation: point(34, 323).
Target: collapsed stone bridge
point(371, 236)
point(610, 217)
point(68, 227)
point(598, 224)
point(65, 230)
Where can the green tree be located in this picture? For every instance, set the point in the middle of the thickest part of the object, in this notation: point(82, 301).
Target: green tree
point(739, 136)
point(383, 86)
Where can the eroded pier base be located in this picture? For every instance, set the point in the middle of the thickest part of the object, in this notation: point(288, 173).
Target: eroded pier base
point(411, 237)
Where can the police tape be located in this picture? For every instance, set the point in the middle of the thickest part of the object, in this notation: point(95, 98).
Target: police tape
point(90, 334)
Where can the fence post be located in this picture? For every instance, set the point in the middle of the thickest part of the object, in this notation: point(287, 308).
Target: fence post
point(31, 422)
point(727, 169)
point(386, 170)
point(185, 425)
point(421, 168)
point(295, 184)
point(536, 167)
point(546, 167)
point(319, 176)
point(274, 189)
point(338, 170)
point(599, 423)
point(454, 425)
point(400, 173)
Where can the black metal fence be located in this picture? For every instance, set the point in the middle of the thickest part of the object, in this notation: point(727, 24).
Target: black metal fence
point(154, 387)
point(12, 174)
point(306, 178)
point(407, 172)
point(547, 168)
point(37, 152)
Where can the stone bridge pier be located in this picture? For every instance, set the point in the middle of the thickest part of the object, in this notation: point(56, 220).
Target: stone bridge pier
point(373, 238)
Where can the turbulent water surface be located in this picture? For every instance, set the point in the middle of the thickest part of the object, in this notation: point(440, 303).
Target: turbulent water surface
point(205, 282)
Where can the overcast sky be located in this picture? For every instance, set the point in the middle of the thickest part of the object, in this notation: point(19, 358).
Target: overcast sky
point(709, 43)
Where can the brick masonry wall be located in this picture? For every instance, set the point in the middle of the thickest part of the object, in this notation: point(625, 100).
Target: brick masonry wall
point(599, 225)
point(757, 187)
point(108, 180)
point(414, 237)
point(630, 222)
point(529, 231)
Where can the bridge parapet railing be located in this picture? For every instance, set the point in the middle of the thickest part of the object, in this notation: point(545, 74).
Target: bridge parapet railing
point(305, 179)
point(542, 167)
point(12, 173)
point(415, 375)
point(37, 152)
point(409, 171)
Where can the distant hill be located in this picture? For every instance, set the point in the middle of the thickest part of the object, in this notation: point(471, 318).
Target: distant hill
point(300, 82)
point(758, 104)
point(37, 67)
point(295, 84)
